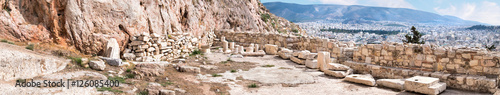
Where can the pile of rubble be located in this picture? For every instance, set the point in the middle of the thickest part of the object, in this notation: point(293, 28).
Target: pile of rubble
point(153, 47)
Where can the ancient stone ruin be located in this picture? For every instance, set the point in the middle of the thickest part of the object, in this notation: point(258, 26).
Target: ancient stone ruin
point(423, 69)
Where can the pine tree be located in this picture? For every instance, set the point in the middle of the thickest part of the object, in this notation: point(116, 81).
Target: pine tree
point(414, 37)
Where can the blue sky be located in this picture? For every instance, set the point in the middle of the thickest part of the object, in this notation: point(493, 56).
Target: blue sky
point(485, 11)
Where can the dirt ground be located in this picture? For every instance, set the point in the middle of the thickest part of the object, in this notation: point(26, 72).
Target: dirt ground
point(220, 75)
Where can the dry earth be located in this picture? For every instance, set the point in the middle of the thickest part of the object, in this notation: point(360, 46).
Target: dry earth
point(219, 75)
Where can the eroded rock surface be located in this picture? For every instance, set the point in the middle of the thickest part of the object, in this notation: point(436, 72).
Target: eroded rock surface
point(19, 63)
point(88, 24)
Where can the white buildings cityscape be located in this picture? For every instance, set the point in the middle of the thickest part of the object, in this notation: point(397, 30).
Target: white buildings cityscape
point(454, 36)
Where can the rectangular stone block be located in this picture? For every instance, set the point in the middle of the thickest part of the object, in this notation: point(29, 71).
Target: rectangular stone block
point(424, 85)
point(361, 79)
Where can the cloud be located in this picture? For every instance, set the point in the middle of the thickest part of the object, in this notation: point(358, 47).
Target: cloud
point(378, 3)
point(486, 12)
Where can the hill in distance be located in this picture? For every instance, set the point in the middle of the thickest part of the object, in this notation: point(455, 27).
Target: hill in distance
point(359, 14)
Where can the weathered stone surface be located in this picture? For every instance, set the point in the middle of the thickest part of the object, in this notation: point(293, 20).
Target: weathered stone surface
point(285, 53)
point(392, 83)
point(424, 85)
point(19, 63)
point(338, 67)
point(271, 49)
point(167, 92)
point(112, 49)
point(112, 61)
point(189, 69)
point(312, 63)
point(86, 25)
point(361, 79)
point(323, 59)
point(129, 56)
point(97, 65)
point(297, 60)
point(338, 74)
point(303, 54)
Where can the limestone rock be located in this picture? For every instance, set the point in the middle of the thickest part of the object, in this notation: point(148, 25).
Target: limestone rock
point(338, 74)
point(361, 79)
point(297, 60)
point(312, 63)
point(112, 61)
point(285, 53)
point(189, 69)
point(129, 56)
point(112, 49)
point(392, 83)
point(271, 49)
point(97, 65)
point(87, 25)
point(167, 92)
point(424, 85)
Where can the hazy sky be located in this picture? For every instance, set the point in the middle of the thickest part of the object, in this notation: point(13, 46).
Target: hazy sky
point(485, 11)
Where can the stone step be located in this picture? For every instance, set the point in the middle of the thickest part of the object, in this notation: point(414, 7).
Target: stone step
point(338, 74)
point(361, 79)
point(312, 63)
point(424, 85)
point(297, 60)
point(392, 83)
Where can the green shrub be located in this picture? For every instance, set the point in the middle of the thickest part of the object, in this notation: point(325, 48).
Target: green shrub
point(265, 17)
point(30, 46)
point(233, 71)
point(130, 75)
point(216, 75)
point(195, 52)
point(268, 66)
point(128, 70)
point(295, 30)
point(253, 85)
point(5, 41)
point(77, 60)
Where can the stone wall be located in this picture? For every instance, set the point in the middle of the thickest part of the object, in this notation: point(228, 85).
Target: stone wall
point(457, 81)
point(430, 58)
point(154, 47)
point(461, 68)
point(342, 50)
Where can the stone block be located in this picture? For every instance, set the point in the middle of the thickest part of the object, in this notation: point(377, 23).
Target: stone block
point(285, 53)
point(297, 60)
point(323, 59)
point(312, 56)
point(189, 69)
point(271, 49)
point(97, 65)
point(312, 63)
point(474, 63)
point(338, 74)
point(337, 67)
point(424, 85)
point(112, 49)
point(361, 79)
point(129, 56)
point(112, 61)
point(303, 54)
point(391, 83)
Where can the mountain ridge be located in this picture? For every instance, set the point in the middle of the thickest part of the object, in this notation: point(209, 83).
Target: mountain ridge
point(314, 12)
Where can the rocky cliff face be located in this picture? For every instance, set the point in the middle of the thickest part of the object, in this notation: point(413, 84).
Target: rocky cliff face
point(87, 24)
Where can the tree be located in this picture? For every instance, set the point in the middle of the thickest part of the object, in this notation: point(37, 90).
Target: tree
point(414, 37)
point(491, 48)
